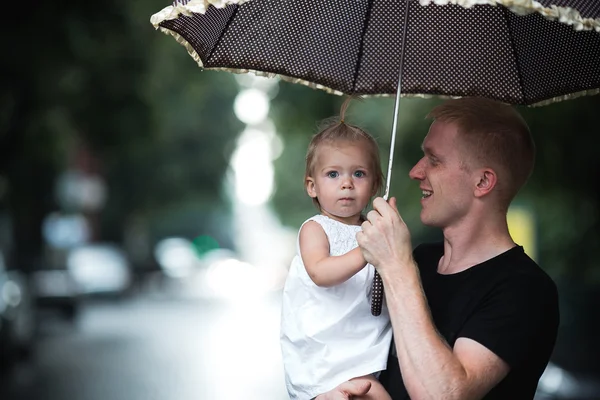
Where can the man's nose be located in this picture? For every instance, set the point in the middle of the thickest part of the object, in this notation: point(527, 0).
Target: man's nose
point(417, 172)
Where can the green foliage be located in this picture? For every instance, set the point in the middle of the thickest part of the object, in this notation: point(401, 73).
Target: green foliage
point(564, 189)
point(99, 75)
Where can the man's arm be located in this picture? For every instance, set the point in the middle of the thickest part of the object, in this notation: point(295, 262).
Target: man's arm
point(430, 368)
point(323, 269)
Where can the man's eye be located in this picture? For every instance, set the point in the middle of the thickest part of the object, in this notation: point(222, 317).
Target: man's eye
point(359, 174)
point(333, 174)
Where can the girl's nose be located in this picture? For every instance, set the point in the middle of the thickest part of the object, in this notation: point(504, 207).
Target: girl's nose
point(347, 183)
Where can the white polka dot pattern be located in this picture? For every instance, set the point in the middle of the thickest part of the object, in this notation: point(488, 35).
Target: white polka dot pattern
point(377, 295)
point(354, 47)
point(472, 56)
point(202, 31)
point(572, 66)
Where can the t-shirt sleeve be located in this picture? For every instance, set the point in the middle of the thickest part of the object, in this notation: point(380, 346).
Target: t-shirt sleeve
point(517, 320)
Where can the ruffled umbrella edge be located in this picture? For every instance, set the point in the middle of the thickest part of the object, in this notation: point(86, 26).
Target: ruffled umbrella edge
point(565, 15)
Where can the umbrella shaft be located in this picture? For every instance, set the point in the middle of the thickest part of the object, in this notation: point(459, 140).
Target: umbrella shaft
point(397, 104)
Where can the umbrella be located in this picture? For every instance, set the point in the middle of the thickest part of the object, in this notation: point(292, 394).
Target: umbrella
point(522, 52)
point(356, 46)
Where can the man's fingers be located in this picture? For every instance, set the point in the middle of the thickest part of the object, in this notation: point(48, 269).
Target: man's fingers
point(379, 204)
point(372, 216)
point(355, 388)
point(392, 209)
point(387, 209)
point(393, 203)
point(384, 208)
point(347, 390)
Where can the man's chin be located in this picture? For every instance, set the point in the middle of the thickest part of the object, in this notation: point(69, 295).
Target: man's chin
point(430, 222)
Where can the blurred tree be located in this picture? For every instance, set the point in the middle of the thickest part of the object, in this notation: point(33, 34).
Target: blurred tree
point(564, 190)
point(99, 74)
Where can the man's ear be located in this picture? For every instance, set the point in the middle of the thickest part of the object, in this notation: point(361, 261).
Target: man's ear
point(310, 187)
point(486, 182)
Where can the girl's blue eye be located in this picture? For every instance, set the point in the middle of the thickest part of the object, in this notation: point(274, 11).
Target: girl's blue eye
point(333, 174)
point(359, 174)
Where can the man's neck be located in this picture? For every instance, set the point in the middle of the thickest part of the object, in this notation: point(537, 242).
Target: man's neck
point(469, 244)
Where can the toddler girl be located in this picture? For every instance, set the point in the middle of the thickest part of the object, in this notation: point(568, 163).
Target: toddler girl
point(328, 334)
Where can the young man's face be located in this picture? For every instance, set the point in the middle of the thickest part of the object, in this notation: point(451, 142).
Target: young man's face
point(446, 184)
point(342, 181)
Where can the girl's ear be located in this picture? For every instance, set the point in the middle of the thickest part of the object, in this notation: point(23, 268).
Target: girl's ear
point(374, 191)
point(310, 187)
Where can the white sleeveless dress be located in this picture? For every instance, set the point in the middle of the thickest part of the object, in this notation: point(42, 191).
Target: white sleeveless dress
point(328, 335)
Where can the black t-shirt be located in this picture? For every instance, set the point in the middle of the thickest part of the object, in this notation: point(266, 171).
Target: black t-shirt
point(508, 304)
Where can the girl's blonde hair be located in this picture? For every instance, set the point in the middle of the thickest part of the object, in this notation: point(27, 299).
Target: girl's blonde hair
point(335, 130)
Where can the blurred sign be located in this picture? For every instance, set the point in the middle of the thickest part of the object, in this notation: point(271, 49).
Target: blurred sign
point(76, 190)
point(521, 225)
point(204, 244)
point(64, 231)
point(176, 256)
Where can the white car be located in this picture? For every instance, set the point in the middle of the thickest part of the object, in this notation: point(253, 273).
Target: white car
point(99, 268)
point(17, 315)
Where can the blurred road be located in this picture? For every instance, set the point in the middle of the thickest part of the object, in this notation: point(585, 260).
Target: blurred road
point(161, 347)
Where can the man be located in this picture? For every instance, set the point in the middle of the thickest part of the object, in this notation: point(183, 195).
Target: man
point(473, 317)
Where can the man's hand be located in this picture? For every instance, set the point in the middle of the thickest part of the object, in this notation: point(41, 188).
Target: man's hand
point(385, 239)
point(347, 390)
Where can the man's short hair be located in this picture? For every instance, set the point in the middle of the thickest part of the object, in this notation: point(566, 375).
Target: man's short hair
point(493, 134)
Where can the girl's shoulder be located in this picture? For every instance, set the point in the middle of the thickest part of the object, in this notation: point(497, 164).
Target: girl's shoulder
point(334, 230)
point(328, 224)
point(320, 219)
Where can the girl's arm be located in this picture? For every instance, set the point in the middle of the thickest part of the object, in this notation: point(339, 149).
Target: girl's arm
point(323, 269)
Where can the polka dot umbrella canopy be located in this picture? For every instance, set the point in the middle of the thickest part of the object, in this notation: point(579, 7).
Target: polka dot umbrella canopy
point(522, 52)
point(544, 51)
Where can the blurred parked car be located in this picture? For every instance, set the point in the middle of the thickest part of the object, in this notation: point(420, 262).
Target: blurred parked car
point(71, 275)
point(574, 370)
point(99, 269)
point(54, 285)
point(557, 383)
point(17, 315)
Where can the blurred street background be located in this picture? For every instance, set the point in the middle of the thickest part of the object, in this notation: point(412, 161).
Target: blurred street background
point(168, 347)
point(149, 210)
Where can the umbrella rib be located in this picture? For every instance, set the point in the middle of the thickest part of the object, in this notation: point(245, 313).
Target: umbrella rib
point(237, 7)
point(506, 12)
point(362, 44)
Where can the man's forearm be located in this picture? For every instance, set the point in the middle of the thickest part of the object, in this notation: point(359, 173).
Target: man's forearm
point(429, 368)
